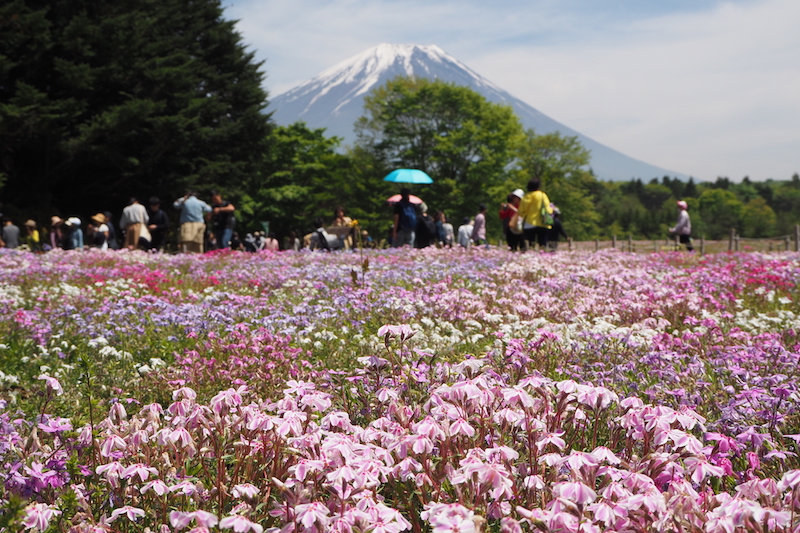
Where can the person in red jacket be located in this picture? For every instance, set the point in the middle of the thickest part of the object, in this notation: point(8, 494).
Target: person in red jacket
point(507, 210)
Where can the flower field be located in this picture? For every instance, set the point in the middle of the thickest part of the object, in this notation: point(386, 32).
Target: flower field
point(429, 390)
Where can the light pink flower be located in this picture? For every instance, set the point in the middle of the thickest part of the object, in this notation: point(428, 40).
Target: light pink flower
point(245, 490)
point(575, 492)
point(52, 384)
point(38, 516)
point(133, 513)
point(240, 524)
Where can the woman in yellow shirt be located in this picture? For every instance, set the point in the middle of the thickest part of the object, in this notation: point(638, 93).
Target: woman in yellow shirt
point(530, 210)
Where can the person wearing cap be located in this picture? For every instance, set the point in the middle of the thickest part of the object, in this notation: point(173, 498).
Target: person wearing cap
point(56, 232)
point(507, 211)
point(683, 229)
point(134, 218)
point(32, 236)
point(97, 232)
point(73, 235)
point(10, 234)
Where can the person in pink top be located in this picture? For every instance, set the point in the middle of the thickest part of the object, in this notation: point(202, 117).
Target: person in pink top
point(479, 230)
point(271, 243)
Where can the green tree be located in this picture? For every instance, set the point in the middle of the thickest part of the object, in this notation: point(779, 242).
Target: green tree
point(298, 179)
point(721, 211)
point(110, 98)
point(464, 142)
point(758, 219)
point(561, 164)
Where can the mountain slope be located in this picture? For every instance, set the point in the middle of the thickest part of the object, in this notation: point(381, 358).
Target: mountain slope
point(335, 100)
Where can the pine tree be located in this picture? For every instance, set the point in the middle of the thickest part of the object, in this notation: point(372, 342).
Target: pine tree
point(103, 99)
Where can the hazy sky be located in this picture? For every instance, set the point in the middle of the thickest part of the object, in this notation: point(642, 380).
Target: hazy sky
point(702, 87)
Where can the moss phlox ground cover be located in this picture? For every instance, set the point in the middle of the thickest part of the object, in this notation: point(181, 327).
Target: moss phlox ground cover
point(428, 390)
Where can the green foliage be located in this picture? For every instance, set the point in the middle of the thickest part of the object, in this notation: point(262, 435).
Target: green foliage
point(297, 180)
point(722, 211)
point(561, 164)
point(106, 99)
point(464, 142)
point(758, 218)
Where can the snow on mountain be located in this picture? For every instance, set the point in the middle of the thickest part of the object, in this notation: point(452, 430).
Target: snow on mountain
point(335, 100)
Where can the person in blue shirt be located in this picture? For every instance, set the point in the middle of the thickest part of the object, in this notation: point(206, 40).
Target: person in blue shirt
point(192, 221)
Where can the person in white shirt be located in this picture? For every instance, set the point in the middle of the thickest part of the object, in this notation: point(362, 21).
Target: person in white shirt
point(683, 229)
point(134, 218)
point(465, 233)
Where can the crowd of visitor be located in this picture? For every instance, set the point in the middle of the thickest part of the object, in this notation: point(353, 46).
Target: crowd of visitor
point(529, 221)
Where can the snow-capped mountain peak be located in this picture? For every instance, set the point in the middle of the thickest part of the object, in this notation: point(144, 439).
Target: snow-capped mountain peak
point(335, 100)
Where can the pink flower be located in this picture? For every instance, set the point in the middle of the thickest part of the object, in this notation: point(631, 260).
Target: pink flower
point(157, 486)
point(240, 524)
point(138, 469)
point(451, 518)
point(312, 513)
point(133, 513)
point(461, 427)
point(112, 443)
point(38, 516)
point(52, 384)
point(245, 490)
point(575, 492)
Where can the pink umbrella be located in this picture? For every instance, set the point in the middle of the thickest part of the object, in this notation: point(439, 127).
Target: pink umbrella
point(411, 198)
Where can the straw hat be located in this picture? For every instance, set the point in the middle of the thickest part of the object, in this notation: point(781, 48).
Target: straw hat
point(55, 220)
point(100, 218)
point(30, 223)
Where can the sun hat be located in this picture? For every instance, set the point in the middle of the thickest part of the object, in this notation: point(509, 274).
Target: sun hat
point(31, 223)
point(518, 193)
point(682, 204)
point(100, 218)
point(73, 221)
point(55, 220)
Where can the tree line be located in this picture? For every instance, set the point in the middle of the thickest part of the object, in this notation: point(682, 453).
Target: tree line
point(108, 99)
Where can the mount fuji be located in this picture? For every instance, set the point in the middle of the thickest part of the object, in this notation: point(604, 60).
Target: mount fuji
point(335, 100)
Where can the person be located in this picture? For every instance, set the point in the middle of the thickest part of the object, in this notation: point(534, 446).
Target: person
point(425, 232)
point(322, 240)
point(10, 234)
point(134, 217)
point(32, 236)
point(236, 242)
point(56, 232)
point(113, 235)
point(97, 232)
point(340, 220)
point(465, 233)
point(249, 243)
point(157, 224)
point(292, 242)
point(479, 229)
point(507, 211)
point(73, 237)
point(192, 225)
point(683, 228)
point(405, 221)
point(556, 230)
point(449, 234)
point(222, 220)
point(271, 242)
point(530, 209)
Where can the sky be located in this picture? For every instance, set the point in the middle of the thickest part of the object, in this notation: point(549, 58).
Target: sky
point(702, 87)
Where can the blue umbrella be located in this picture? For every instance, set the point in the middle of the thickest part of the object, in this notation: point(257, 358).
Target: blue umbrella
point(408, 175)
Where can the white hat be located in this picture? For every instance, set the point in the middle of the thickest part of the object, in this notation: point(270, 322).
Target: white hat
point(73, 221)
point(518, 193)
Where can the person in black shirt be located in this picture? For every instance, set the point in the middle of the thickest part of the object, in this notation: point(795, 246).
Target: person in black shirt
point(158, 225)
point(222, 220)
